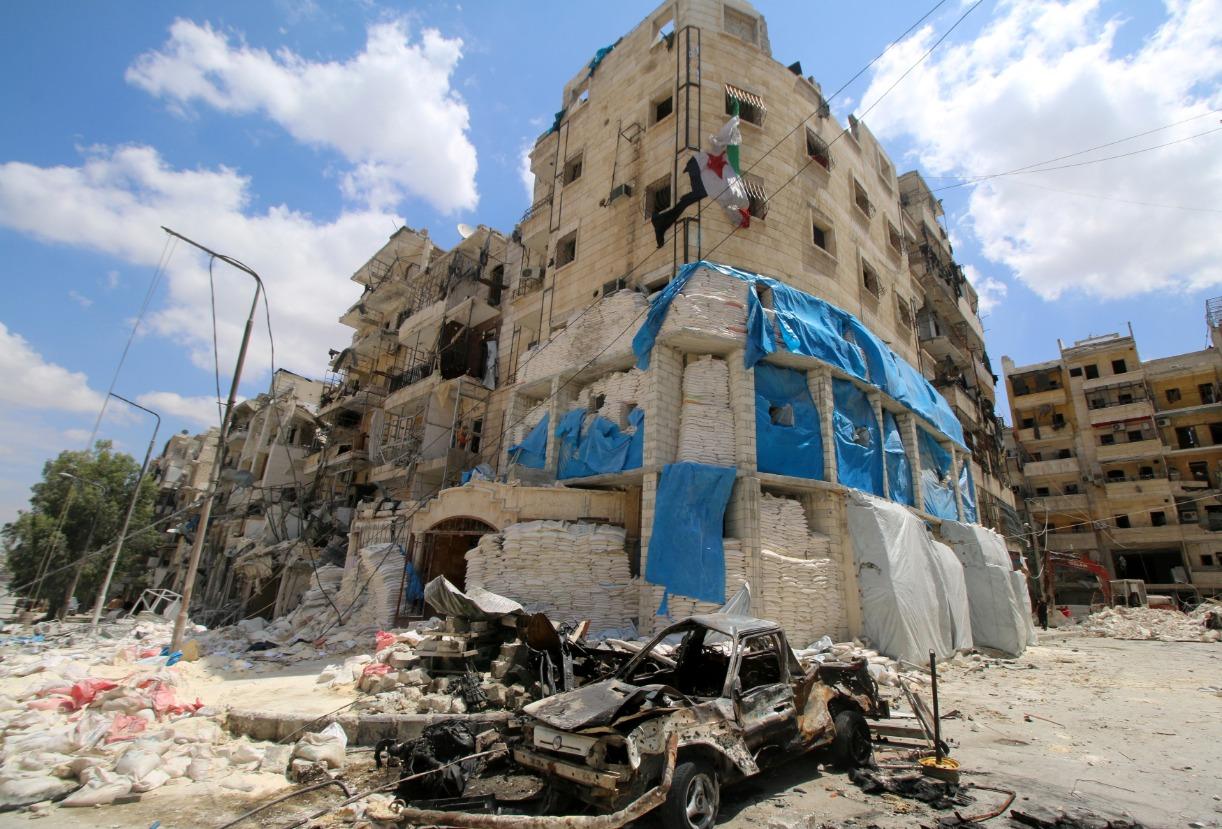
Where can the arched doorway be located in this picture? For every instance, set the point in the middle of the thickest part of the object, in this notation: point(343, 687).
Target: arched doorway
point(441, 550)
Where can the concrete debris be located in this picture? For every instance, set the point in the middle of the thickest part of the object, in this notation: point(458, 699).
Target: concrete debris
point(1146, 623)
point(940, 794)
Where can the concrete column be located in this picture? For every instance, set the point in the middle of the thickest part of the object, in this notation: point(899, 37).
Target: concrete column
point(743, 523)
point(662, 403)
point(955, 458)
point(876, 402)
point(563, 394)
point(908, 429)
point(742, 406)
point(647, 601)
point(819, 381)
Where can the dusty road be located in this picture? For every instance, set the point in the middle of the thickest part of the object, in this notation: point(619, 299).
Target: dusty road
point(1126, 729)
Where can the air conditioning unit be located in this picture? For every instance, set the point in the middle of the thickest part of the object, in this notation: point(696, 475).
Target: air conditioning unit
point(1162, 421)
point(530, 273)
point(618, 191)
point(1188, 516)
point(1117, 427)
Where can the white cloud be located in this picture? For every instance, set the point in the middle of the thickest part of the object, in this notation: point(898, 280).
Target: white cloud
point(112, 280)
point(30, 382)
point(1042, 80)
point(524, 171)
point(115, 203)
point(989, 290)
point(79, 298)
point(390, 110)
point(200, 410)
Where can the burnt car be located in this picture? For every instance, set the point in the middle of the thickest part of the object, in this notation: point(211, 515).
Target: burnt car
point(709, 701)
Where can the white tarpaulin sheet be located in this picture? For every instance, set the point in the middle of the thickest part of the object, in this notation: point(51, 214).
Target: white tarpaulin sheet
point(1018, 580)
point(909, 590)
point(1001, 618)
point(952, 589)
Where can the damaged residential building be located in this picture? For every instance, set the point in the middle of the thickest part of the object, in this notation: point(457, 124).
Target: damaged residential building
point(1120, 461)
point(539, 413)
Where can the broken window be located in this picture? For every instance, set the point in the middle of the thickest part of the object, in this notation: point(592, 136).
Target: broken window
point(566, 249)
point(572, 169)
point(758, 199)
point(760, 663)
point(903, 312)
point(1207, 392)
point(781, 415)
point(664, 28)
point(1173, 395)
point(1092, 372)
point(869, 279)
point(818, 150)
point(751, 107)
point(1199, 471)
point(893, 237)
point(657, 195)
point(1119, 367)
point(862, 199)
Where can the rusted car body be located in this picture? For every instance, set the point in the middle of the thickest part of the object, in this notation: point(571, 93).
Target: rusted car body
point(728, 689)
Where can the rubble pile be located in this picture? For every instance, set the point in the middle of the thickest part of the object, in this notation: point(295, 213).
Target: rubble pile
point(706, 424)
point(884, 670)
point(1145, 623)
point(710, 303)
point(568, 571)
point(601, 334)
point(95, 719)
point(681, 606)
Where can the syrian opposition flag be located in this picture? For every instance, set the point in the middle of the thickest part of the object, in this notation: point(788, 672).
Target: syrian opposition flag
point(715, 173)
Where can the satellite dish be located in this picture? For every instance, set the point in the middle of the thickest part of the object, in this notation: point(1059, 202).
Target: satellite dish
point(465, 230)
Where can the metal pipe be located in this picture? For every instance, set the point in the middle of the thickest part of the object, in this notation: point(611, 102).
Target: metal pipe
point(330, 781)
point(937, 719)
point(131, 507)
point(205, 514)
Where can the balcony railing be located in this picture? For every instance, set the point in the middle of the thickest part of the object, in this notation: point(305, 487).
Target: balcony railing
point(537, 208)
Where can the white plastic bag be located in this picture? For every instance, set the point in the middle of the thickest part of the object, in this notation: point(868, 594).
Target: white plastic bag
point(327, 746)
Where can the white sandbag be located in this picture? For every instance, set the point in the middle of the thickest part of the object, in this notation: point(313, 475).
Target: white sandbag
point(136, 764)
point(24, 790)
point(153, 780)
point(101, 791)
point(899, 597)
point(327, 746)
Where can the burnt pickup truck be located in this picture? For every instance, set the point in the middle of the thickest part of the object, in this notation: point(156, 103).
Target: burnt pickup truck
point(709, 701)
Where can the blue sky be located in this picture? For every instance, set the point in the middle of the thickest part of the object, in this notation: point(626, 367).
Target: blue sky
point(296, 135)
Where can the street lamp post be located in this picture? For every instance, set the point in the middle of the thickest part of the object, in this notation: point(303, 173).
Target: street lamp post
point(131, 507)
point(201, 531)
point(80, 564)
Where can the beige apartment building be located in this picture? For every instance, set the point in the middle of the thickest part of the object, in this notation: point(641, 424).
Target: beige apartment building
point(1120, 462)
point(459, 357)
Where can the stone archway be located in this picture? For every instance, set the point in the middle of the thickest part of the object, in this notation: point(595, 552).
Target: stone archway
point(441, 550)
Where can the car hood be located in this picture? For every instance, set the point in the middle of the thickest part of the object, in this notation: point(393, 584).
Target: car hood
point(599, 703)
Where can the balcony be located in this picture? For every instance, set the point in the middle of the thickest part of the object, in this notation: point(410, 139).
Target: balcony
point(1129, 378)
point(1059, 503)
point(539, 208)
point(1058, 466)
point(1141, 488)
point(1048, 397)
point(1120, 412)
point(1123, 536)
point(1071, 542)
point(1131, 450)
point(357, 400)
point(528, 285)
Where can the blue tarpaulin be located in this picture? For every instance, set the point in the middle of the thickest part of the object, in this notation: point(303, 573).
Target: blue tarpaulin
point(532, 451)
point(967, 490)
point(899, 472)
point(859, 457)
point(593, 445)
point(685, 552)
point(937, 491)
point(814, 328)
point(788, 436)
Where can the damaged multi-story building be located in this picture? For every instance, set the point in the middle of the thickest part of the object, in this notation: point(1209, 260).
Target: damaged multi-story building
point(515, 412)
point(1120, 463)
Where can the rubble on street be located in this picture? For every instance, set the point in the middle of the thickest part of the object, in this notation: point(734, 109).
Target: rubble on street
point(1159, 624)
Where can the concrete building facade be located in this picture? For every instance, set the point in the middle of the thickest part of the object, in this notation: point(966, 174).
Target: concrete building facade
point(1120, 462)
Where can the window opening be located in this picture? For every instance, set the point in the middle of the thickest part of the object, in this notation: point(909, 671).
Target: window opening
point(1158, 519)
point(1207, 392)
point(572, 169)
point(862, 199)
point(657, 196)
point(1173, 395)
point(1118, 367)
point(566, 250)
point(751, 107)
point(1076, 371)
point(818, 150)
point(1092, 372)
point(869, 279)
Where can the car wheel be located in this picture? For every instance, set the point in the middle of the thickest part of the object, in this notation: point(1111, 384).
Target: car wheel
point(851, 747)
point(693, 798)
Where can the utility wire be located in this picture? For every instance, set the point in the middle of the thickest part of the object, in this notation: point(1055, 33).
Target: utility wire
point(216, 350)
point(1117, 199)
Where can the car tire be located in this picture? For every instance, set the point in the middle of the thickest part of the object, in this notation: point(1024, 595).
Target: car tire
point(694, 797)
point(851, 747)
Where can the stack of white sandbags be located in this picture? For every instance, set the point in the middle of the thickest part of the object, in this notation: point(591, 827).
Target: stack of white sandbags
point(371, 588)
point(804, 596)
point(618, 389)
point(783, 529)
point(520, 430)
point(706, 424)
point(710, 303)
point(600, 334)
point(568, 571)
point(680, 607)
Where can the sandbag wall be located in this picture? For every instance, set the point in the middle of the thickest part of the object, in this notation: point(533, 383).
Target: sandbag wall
point(802, 587)
point(372, 586)
point(570, 571)
point(599, 334)
point(706, 422)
